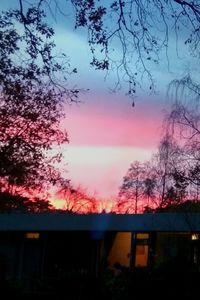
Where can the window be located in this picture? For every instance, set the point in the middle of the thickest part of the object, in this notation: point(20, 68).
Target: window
point(32, 235)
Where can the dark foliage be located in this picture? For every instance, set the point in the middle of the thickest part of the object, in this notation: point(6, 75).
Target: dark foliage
point(185, 207)
point(10, 203)
point(33, 90)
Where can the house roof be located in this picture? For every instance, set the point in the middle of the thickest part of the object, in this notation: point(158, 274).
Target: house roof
point(179, 222)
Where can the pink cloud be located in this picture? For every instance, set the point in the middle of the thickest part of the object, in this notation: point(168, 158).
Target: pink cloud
point(101, 169)
point(106, 136)
point(110, 126)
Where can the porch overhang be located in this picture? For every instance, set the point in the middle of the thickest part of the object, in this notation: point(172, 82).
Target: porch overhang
point(162, 222)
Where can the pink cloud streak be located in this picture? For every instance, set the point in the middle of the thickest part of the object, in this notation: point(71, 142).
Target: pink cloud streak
point(105, 138)
point(107, 127)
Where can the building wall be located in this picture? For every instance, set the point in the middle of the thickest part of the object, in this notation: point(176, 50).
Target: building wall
point(56, 255)
point(171, 247)
point(8, 253)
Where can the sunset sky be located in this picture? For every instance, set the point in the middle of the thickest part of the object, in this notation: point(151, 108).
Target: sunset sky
point(106, 133)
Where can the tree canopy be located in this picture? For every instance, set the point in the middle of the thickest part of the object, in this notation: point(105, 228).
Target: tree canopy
point(127, 38)
point(33, 90)
point(132, 38)
point(174, 171)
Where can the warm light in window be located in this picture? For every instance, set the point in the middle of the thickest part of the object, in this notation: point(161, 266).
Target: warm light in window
point(195, 236)
point(141, 257)
point(141, 236)
point(32, 235)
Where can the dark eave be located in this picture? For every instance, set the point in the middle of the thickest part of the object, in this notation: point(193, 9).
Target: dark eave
point(181, 222)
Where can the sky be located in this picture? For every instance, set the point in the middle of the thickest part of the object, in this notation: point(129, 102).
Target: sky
point(106, 133)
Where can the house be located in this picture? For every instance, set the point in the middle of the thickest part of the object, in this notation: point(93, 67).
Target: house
point(48, 246)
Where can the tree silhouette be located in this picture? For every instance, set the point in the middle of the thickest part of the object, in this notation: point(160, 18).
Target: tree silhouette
point(10, 203)
point(166, 162)
point(76, 200)
point(33, 90)
point(183, 124)
point(141, 31)
point(130, 38)
point(149, 188)
point(167, 181)
point(131, 192)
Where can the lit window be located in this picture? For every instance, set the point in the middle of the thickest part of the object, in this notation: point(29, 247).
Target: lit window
point(195, 236)
point(32, 235)
point(141, 257)
point(142, 236)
